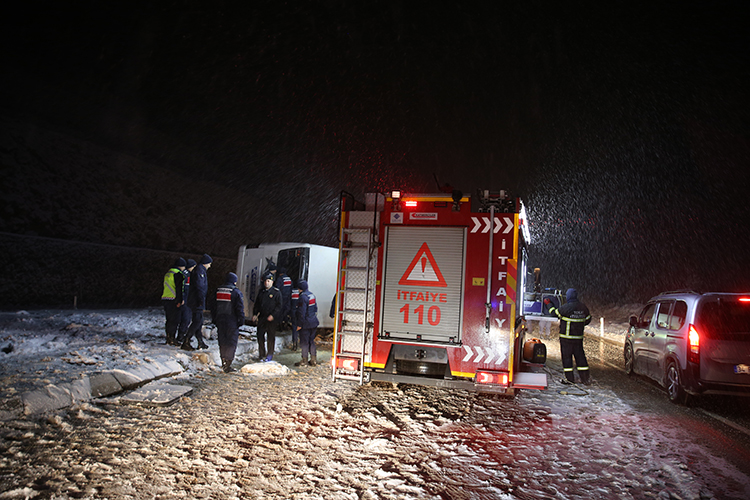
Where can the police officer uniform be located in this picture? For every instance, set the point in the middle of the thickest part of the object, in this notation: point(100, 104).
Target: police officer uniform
point(228, 313)
point(197, 302)
point(307, 322)
point(267, 304)
point(186, 316)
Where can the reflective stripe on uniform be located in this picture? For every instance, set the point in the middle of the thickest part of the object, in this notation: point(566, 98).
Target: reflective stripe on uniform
point(568, 322)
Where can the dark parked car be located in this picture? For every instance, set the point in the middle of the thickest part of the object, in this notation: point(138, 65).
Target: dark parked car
point(692, 343)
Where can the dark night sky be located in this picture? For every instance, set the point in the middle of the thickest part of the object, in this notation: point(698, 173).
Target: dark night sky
point(624, 126)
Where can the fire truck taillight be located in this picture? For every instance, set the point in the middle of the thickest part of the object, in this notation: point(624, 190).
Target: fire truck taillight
point(694, 341)
point(746, 300)
point(410, 203)
point(494, 378)
point(347, 364)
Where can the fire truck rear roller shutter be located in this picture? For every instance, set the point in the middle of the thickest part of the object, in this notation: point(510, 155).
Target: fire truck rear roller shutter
point(446, 247)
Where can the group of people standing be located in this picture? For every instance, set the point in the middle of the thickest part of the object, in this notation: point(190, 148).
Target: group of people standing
point(184, 299)
point(277, 305)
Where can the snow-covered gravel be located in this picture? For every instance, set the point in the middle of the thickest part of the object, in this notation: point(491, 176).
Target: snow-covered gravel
point(292, 433)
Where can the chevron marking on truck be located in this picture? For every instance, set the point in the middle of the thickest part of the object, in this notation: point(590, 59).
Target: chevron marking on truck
point(478, 221)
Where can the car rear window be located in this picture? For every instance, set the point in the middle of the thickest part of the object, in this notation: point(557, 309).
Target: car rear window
point(725, 319)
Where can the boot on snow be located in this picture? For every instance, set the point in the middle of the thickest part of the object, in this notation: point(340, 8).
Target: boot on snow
point(313, 360)
point(302, 362)
point(226, 365)
point(186, 346)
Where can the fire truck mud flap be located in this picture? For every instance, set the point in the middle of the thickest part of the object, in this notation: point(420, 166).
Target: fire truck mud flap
point(528, 380)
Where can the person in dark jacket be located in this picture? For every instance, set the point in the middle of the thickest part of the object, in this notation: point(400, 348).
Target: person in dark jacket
point(307, 324)
point(197, 302)
point(284, 284)
point(185, 315)
point(172, 298)
point(228, 314)
point(294, 302)
point(267, 312)
point(574, 316)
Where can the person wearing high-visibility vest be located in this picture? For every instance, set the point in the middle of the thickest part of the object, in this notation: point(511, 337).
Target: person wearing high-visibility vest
point(172, 298)
point(574, 316)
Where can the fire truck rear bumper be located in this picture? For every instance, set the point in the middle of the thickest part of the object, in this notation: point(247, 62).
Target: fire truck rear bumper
point(523, 380)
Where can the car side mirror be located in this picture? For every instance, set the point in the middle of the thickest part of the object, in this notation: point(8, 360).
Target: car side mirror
point(634, 320)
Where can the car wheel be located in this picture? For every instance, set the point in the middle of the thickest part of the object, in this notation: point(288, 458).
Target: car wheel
point(675, 391)
point(629, 359)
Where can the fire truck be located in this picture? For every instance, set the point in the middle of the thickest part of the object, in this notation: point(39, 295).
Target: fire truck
point(430, 291)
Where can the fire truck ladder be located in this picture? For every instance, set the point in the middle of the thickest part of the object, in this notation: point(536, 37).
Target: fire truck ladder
point(353, 303)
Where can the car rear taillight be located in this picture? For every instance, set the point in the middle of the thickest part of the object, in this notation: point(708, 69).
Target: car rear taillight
point(494, 378)
point(694, 344)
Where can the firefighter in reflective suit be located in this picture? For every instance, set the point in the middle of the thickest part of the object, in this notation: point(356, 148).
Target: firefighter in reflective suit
point(574, 316)
point(228, 314)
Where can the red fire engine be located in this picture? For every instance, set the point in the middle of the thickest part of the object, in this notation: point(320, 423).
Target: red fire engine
point(430, 292)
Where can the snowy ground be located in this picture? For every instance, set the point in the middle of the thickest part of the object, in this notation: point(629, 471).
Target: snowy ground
point(292, 433)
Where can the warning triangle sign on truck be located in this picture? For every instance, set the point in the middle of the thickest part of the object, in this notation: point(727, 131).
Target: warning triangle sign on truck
point(423, 270)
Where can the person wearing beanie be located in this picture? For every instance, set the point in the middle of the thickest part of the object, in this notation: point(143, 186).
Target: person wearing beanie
point(197, 303)
point(574, 316)
point(228, 314)
point(267, 312)
point(172, 298)
point(186, 316)
point(307, 324)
